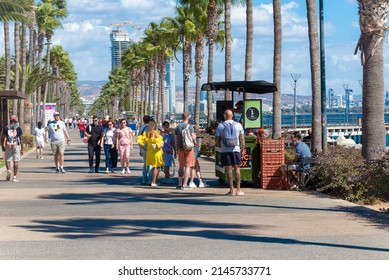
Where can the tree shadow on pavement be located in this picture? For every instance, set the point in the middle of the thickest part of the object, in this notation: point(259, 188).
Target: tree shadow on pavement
point(86, 228)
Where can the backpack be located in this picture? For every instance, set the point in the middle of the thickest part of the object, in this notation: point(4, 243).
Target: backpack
point(229, 136)
point(12, 139)
point(187, 140)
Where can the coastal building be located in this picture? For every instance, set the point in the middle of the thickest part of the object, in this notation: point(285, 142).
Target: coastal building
point(119, 42)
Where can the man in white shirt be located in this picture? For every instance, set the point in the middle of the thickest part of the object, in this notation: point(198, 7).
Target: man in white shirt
point(58, 132)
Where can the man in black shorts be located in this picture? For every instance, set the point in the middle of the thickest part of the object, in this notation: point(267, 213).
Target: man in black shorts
point(231, 155)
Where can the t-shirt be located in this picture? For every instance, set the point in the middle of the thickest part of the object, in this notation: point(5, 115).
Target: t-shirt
point(19, 133)
point(56, 130)
point(302, 150)
point(239, 130)
point(109, 136)
point(168, 140)
point(178, 133)
point(81, 125)
point(96, 131)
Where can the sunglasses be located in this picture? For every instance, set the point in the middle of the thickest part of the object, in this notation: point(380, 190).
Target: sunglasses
point(95, 120)
point(110, 124)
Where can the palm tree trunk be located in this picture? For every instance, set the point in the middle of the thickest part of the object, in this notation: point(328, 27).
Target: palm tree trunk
point(48, 84)
point(211, 51)
point(17, 73)
point(7, 52)
point(199, 63)
point(315, 76)
point(155, 94)
point(27, 103)
point(277, 69)
point(373, 17)
point(188, 71)
point(249, 43)
point(228, 39)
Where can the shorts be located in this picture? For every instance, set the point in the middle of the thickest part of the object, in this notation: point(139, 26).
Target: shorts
point(12, 154)
point(167, 160)
point(293, 166)
point(58, 147)
point(196, 151)
point(186, 158)
point(231, 158)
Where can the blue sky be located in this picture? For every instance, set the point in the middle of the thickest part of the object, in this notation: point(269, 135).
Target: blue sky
point(86, 37)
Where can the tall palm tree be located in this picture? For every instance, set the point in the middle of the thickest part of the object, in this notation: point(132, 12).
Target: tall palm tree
point(276, 134)
point(372, 21)
point(315, 75)
point(200, 22)
point(48, 16)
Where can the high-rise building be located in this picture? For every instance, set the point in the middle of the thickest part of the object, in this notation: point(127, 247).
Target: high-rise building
point(119, 43)
point(170, 86)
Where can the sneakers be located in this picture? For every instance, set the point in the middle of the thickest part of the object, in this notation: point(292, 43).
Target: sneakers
point(62, 170)
point(154, 185)
point(123, 171)
point(107, 171)
point(201, 185)
point(57, 170)
point(185, 188)
point(192, 185)
point(37, 156)
point(9, 174)
point(14, 179)
point(128, 171)
point(41, 157)
point(112, 170)
point(90, 170)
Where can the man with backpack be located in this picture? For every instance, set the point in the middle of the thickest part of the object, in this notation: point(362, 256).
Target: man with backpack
point(230, 138)
point(185, 140)
point(14, 148)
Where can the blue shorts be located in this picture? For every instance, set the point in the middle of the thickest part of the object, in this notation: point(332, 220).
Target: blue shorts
point(231, 158)
point(168, 159)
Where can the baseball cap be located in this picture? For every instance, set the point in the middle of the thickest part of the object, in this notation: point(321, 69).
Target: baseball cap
point(14, 118)
point(56, 114)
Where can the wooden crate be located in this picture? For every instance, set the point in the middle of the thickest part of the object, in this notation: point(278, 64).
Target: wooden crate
point(272, 183)
point(271, 171)
point(269, 145)
point(276, 158)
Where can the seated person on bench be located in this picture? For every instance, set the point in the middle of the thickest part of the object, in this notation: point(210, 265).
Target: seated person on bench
point(288, 170)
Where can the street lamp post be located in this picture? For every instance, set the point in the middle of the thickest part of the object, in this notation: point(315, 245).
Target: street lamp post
point(295, 78)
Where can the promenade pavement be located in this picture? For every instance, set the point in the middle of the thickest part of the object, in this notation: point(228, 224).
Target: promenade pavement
point(78, 215)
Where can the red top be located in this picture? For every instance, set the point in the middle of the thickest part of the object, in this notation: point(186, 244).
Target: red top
point(81, 125)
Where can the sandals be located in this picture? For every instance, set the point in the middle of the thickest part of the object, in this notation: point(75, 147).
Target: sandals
point(240, 193)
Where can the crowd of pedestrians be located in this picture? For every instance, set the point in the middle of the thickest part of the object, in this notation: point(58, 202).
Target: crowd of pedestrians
point(158, 146)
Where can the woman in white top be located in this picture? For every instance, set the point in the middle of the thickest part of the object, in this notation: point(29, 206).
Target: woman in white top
point(39, 133)
point(111, 156)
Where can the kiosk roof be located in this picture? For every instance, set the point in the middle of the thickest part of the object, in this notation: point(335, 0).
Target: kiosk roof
point(259, 87)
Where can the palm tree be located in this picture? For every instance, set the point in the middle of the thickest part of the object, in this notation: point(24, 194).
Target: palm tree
point(315, 76)
point(48, 14)
point(372, 21)
point(276, 134)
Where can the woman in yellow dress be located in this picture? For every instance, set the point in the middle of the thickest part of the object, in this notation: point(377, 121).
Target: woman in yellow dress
point(152, 142)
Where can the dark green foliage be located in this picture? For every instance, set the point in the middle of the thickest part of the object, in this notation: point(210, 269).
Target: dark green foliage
point(343, 173)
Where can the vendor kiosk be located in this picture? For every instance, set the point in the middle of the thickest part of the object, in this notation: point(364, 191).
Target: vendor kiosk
point(251, 119)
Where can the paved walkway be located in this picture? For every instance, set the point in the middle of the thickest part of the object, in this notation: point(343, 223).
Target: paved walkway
point(98, 216)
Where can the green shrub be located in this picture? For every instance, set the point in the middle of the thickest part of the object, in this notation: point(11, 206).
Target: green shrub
point(28, 140)
point(290, 154)
point(340, 172)
point(208, 144)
